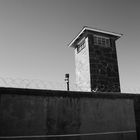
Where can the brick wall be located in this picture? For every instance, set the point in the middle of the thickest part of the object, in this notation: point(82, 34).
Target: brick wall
point(104, 66)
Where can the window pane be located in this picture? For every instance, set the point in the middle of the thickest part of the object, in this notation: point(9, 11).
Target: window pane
point(81, 46)
point(102, 41)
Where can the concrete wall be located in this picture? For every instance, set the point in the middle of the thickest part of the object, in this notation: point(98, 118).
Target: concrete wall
point(136, 98)
point(42, 112)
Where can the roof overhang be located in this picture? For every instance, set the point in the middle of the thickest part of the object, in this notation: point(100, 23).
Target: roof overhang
point(117, 35)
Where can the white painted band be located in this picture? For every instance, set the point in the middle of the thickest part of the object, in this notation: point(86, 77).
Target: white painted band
point(67, 135)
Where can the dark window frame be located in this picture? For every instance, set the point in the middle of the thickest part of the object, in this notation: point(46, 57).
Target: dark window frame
point(81, 46)
point(101, 40)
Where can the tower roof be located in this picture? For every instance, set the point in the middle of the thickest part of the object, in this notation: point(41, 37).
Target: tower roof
point(71, 44)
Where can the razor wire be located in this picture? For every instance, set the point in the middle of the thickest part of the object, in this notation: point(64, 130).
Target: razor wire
point(51, 85)
point(35, 84)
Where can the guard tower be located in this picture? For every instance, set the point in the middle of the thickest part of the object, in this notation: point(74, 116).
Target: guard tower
point(96, 60)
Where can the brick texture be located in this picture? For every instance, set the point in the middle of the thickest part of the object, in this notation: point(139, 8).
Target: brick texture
point(96, 65)
point(103, 66)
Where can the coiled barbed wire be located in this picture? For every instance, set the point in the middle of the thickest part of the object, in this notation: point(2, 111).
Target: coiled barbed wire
point(34, 84)
point(51, 85)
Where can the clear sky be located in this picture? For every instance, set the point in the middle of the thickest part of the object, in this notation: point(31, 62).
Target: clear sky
point(34, 35)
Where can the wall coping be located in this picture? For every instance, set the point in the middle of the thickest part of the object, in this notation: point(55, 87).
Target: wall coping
point(60, 93)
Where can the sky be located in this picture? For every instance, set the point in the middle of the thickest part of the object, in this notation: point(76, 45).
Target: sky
point(34, 37)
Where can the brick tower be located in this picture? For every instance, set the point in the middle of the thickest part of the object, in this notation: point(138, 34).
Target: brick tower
point(96, 60)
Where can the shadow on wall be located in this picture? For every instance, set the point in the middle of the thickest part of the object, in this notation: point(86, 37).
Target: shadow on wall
point(40, 114)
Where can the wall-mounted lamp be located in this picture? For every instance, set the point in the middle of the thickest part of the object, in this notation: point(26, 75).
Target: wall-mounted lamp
point(67, 80)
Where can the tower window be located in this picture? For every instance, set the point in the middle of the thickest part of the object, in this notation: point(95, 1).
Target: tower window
point(101, 41)
point(81, 46)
